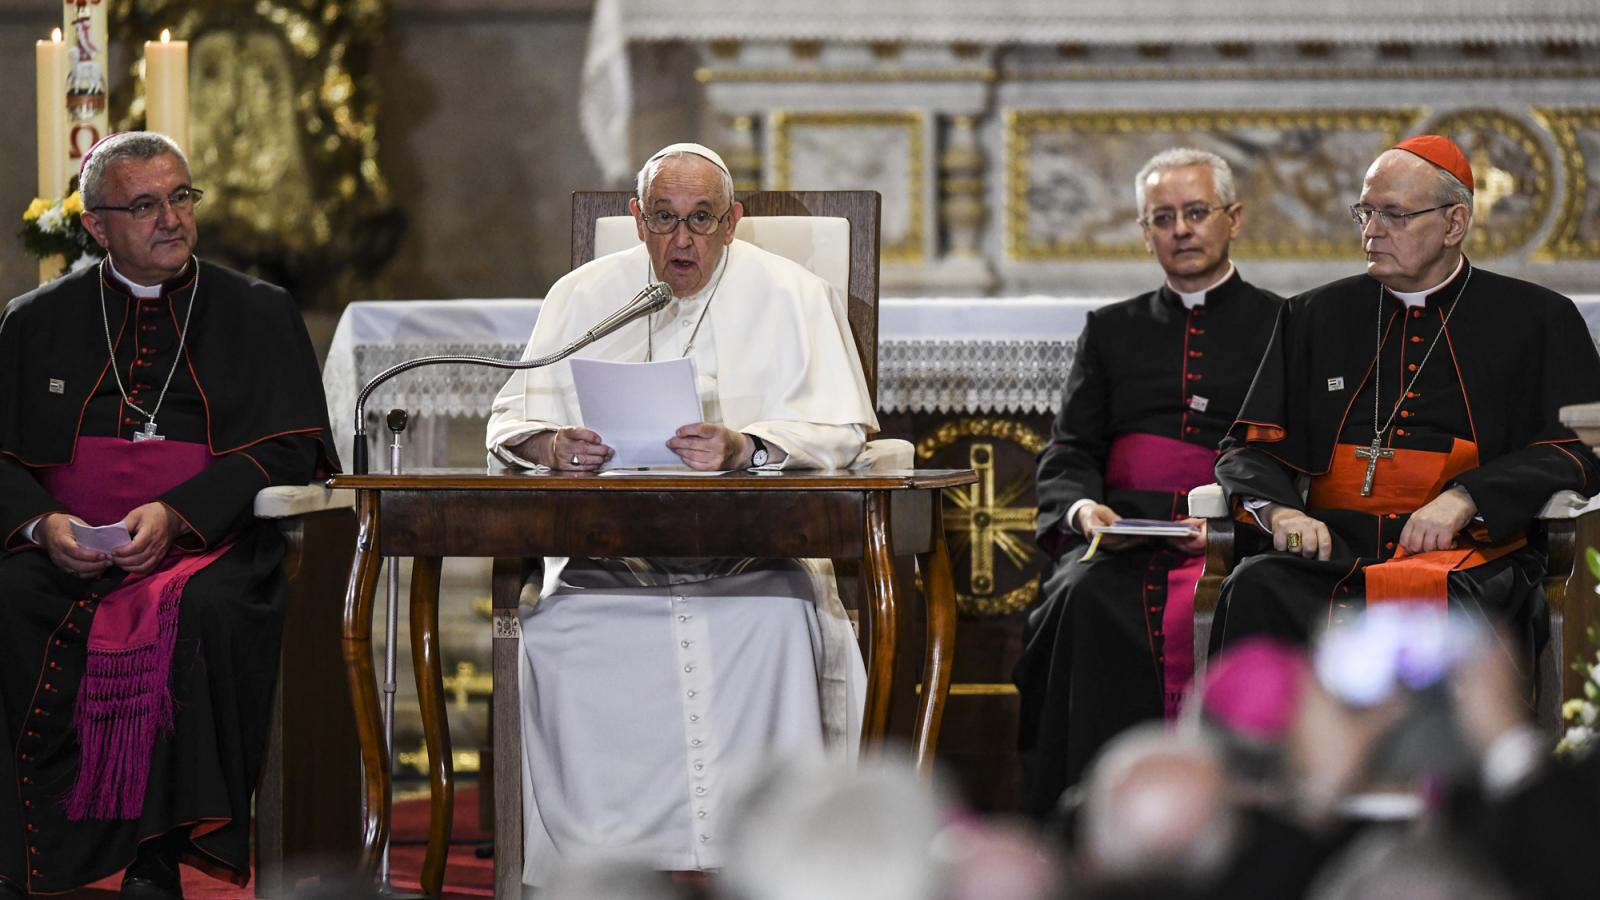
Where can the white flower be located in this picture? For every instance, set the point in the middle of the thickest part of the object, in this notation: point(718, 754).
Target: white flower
point(1576, 739)
point(53, 220)
point(88, 259)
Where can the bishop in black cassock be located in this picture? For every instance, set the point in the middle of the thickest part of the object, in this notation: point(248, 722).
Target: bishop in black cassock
point(245, 405)
point(1155, 382)
point(1417, 407)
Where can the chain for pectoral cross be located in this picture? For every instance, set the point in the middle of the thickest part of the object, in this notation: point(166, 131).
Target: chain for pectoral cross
point(148, 432)
point(1377, 451)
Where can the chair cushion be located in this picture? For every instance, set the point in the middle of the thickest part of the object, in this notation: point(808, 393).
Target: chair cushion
point(1207, 502)
point(1568, 505)
point(299, 500)
point(819, 243)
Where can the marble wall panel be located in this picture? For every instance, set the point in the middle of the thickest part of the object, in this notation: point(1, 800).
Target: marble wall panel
point(881, 151)
point(1070, 176)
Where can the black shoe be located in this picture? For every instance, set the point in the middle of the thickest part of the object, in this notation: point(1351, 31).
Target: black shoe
point(140, 887)
point(154, 874)
point(9, 891)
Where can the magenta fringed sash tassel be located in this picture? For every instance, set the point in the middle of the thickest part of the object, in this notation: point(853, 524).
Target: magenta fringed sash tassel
point(124, 703)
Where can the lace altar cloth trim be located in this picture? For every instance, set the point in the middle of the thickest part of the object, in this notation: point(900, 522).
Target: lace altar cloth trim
point(913, 376)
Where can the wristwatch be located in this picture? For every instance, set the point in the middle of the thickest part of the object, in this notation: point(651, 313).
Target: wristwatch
point(758, 457)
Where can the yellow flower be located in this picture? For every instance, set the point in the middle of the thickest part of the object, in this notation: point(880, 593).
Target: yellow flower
point(73, 205)
point(36, 209)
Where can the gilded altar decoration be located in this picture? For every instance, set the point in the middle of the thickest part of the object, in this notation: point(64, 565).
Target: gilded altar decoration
point(989, 525)
point(1512, 174)
point(283, 134)
point(881, 151)
point(1576, 234)
point(1069, 191)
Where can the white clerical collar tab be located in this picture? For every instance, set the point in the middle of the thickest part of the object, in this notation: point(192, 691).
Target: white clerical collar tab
point(697, 149)
point(1198, 298)
point(1419, 298)
point(138, 290)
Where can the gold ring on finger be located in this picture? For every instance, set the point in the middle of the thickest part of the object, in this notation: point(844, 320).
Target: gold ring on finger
point(1292, 540)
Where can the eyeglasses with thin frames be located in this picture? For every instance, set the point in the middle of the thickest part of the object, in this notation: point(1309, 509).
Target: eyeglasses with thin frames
point(181, 200)
point(1396, 220)
point(1166, 219)
point(701, 222)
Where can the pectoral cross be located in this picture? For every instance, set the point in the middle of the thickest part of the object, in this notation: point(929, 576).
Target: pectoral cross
point(1372, 455)
point(148, 433)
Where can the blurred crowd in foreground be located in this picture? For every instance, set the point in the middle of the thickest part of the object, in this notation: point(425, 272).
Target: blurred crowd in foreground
point(1395, 759)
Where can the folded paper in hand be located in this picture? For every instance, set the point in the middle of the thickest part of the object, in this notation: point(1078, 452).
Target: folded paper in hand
point(636, 407)
point(104, 538)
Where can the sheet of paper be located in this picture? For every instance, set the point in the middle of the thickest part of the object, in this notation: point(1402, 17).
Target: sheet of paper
point(105, 538)
point(636, 407)
point(1148, 528)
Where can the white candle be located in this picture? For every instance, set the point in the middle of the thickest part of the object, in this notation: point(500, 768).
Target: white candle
point(166, 88)
point(54, 167)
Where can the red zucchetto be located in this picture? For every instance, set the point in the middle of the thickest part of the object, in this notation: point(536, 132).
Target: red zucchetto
point(1442, 152)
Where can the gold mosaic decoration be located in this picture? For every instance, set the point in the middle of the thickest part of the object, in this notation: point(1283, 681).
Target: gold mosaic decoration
point(898, 179)
point(1576, 234)
point(1069, 187)
point(985, 517)
point(283, 109)
point(1511, 173)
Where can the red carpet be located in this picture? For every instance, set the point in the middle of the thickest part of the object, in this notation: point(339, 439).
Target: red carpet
point(464, 874)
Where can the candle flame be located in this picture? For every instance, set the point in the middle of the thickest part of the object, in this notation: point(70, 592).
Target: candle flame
point(55, 35)
point(166, 35)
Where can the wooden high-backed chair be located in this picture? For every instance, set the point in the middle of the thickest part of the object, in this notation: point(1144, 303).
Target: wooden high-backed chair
point(1570, 617)
point(833, 221)
point(601, 224)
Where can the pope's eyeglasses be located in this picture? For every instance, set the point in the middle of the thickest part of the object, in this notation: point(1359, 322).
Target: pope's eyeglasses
point(700, 221)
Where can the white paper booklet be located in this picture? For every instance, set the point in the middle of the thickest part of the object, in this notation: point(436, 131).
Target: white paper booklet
point(636, 407)
point(104, 538)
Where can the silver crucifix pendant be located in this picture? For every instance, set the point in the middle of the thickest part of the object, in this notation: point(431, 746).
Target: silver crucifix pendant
point(1372, 454)
point(148, 433)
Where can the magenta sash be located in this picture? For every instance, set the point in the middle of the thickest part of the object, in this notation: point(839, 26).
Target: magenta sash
point(1148, 462)
point(125, 698)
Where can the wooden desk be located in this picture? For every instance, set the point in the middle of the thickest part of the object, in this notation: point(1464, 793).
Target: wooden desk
point(870, 515)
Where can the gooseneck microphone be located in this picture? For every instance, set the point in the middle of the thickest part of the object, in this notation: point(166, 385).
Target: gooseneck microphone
point(643, 304)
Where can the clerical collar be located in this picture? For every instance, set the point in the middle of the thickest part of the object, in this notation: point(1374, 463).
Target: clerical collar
point(141, 291)
point(1418, 298)
point(1198, 298)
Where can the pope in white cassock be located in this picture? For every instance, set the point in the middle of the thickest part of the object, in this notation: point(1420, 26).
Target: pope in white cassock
point(646, 682)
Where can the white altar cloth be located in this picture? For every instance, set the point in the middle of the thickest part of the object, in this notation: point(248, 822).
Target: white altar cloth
point(935, 354)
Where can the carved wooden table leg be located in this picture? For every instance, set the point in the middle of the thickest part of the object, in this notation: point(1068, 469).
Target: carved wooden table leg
point(938, 659)
point(357, 643)
point(878, 577)
point(425, 572)
point(507, 657)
